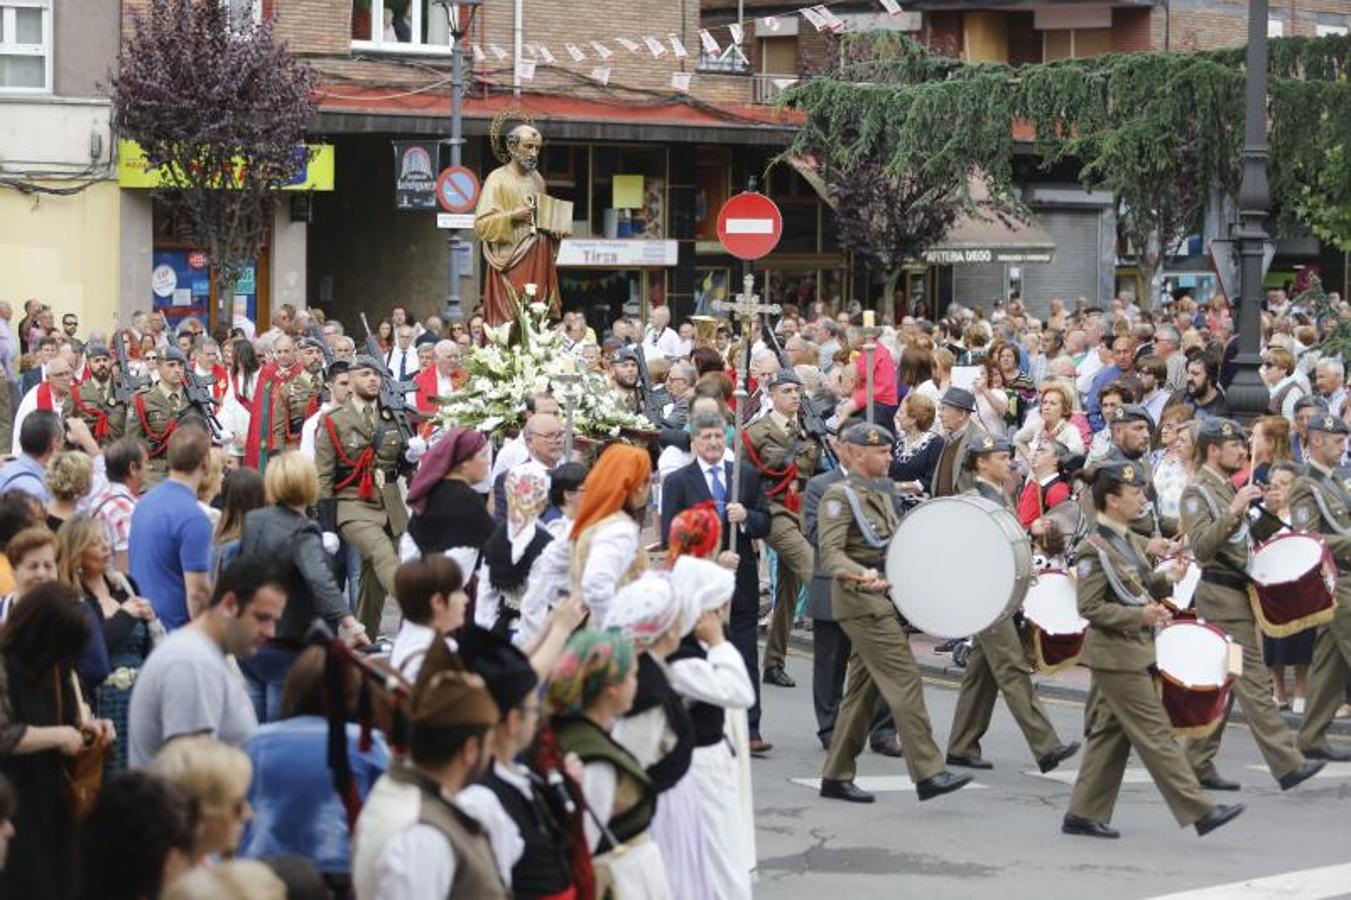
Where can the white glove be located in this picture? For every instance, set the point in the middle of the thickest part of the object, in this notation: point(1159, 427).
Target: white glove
point(330, 543)
point(416, 447)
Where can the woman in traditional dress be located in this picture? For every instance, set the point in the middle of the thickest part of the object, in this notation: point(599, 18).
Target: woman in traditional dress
point(512, 549)
point(449, 516)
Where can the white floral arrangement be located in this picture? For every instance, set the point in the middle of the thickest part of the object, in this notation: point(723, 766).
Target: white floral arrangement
point(500, 377)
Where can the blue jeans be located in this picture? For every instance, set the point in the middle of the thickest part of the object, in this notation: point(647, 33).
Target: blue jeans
point(264, 676)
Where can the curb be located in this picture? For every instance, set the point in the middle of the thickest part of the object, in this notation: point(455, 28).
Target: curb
point(803, 643)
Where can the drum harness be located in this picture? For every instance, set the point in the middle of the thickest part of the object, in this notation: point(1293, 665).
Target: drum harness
point(864, 526)
point(1320, 479)
point(1100, 542)
point(1241, 536)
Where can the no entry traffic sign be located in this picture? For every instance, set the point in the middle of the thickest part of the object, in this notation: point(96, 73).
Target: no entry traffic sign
point(749, 225)
point(457, 189)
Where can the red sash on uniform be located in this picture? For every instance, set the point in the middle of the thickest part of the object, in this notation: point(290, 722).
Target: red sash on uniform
point(100, 418)
point(787, 478)
point(159, 441)
point(362, 468)
point(259, 447)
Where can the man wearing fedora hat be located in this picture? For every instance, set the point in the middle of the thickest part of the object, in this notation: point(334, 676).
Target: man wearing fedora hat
point(952, 476)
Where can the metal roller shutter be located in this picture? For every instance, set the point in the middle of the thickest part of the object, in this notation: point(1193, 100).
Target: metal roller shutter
point(1074, 271)
point(979, 284)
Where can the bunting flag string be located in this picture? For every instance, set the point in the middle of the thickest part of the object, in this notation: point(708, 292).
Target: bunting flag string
point(479, 55)
point(709, 42)
point(497, 52)
point(657, 47)
point(602, 51)
point(575, 52)
point(680, 81)
point(601, 74)
point(631, 46)
point(678, 47)
point(545, 55)
point(891, 6)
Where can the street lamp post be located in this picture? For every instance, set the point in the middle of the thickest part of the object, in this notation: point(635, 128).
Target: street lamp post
point(1247, 393)
point(459, 16)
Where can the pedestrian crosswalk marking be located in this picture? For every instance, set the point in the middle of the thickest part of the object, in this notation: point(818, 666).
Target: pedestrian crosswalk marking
point(1133, 775)
point(1331, 770)
point(1303, 884)
point(877, 784)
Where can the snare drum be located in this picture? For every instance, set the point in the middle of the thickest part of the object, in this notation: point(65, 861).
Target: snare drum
point(957, 565)
point(1294, 583)
point(1195, 675)
point(1055, 631)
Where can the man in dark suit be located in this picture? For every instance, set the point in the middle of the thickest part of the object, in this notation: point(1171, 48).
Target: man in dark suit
point(830, 645)
point(709, 477)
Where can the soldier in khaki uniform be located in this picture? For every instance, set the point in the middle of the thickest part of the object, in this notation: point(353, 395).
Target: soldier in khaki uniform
point(998, 662)
point(856, 519)
point(360, 454)
point(302, 391)
point(1320, 501)
point(1116, 591)
point(155, 413)
point(786, 457)
point(289, 396)
point(95, 399)
point(1215, 519)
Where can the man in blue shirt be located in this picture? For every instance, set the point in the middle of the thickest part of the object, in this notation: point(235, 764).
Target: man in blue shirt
point(1123, 363)
point(170, 547)
point(40, 435)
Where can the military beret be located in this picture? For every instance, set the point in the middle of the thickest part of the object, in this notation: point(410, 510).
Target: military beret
point(783, 377)
point(865, 435)
point(989, 443)
point(1310, 401)
point(1130, 412)
point(960, 398)
point(627, 353)
point(364, 361)
point(1328, 424)
point(172, 354)
point(1215, 430)
point(95, 350)
point(1122, 473)
point(309, 343)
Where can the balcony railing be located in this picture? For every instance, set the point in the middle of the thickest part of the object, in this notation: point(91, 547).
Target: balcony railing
point(767, 88)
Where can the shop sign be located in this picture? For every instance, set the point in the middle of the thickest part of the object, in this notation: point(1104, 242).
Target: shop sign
point(977, 255)
point(617, 254)
point(415, 165)
point(136, 170)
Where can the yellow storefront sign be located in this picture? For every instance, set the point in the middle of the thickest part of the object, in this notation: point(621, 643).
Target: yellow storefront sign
point(135, 170)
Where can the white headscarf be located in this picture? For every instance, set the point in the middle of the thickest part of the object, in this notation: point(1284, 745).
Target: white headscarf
point(703, 581)
point(644, 609)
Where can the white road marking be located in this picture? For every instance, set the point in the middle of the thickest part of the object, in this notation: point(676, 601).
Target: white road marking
point(878, 784)
point(1132, 775)
point(1302, 884)
point(750, 226)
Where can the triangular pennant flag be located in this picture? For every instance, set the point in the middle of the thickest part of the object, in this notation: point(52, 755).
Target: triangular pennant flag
point(681, 81)
point(737, 32)
point(833, 22)
point(740, 54)
point(710, 43)
point(525, 69)
point(892, 6)
point(530, 47)
point(812, 16)
point(497, 51)
point(631, 46)
point(770, 23)
point(575, 52)
point(601, 74)
point(546, 55)
point(678, 47)
point(657, 47)
point(785, 82)
point(479, 55)
point(602, 51)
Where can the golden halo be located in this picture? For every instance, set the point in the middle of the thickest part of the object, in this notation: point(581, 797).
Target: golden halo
point(496, 138)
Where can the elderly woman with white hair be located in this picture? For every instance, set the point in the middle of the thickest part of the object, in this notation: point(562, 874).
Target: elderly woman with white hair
point(710, 674)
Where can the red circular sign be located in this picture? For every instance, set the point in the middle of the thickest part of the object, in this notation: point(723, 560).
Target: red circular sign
point(749, 226)
point(457, 189)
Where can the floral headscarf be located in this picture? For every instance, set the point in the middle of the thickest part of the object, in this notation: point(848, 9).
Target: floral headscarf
point(591, 662)
point(696, 531)
point(527, 490)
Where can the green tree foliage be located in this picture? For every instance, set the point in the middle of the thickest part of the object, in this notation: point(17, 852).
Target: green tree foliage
point(1159, 130)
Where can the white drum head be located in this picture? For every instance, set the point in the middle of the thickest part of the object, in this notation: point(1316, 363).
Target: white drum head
point(1052, 604)
point(955, 567)
point(1286, 560)
point(1193, 654)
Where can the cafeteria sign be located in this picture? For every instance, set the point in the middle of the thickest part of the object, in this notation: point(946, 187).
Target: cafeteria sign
point(136, 170)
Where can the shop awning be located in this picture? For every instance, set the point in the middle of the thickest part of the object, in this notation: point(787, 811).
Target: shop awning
point(982, 237)
point(975, 239)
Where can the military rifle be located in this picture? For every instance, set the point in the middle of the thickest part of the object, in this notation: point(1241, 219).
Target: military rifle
point(644, 386)
point(197, 389)
point(811, 419)
point(392, 393)
point(126, 385)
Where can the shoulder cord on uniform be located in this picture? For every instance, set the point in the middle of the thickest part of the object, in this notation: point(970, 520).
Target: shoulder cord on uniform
point(100, 429)
point(361, 468)
point(1333, 524)
point(161, 438)
point(1241, 534)
point(864, 526)
point(787, 476)
point(1118, 586)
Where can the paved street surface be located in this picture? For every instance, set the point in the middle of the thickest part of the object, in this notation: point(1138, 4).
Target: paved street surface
point(1000, 838)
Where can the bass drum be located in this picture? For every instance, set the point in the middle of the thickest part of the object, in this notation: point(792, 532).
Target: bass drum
point(957, 565)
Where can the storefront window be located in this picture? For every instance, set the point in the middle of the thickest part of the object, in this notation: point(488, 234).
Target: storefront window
point(401, 24)
point(628, 192)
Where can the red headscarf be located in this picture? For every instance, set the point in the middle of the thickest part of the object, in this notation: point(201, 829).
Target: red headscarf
point(695, 532)
point(455, 447)
point(617, 474)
